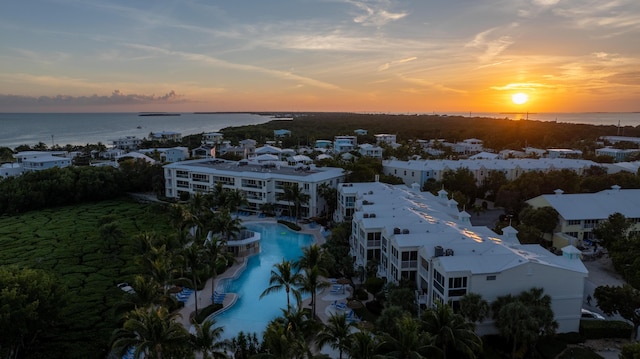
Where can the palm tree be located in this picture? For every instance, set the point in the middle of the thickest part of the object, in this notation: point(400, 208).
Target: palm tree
point(226, 225)
point(236, 199)
point(330, 196)
point(409, 343)
point(154, 333)
point(515, 323)
point(218, 196)
point(336, 333)
point(473, 307)
point(364, 345)
point(147, 292)
point(207, 340)
point(312, 262)
point(449, 331)
point(192, 256)
point(284, 276)
point(294, 195)
point(217, 255)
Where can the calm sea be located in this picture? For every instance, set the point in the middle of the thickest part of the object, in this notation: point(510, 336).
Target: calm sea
point(82, 128)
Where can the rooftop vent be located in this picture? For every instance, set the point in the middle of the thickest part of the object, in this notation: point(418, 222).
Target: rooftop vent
point(366, 215)
point(448, 252)
point(372, 215)
point(397, 230)
point(370, 192)
point(405, 231)
point(438, 251)
point(364, 201)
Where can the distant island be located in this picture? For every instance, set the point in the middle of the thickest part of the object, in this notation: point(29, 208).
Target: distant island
point(158, 114)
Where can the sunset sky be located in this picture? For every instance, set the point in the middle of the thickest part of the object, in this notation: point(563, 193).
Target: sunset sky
point(320, 55)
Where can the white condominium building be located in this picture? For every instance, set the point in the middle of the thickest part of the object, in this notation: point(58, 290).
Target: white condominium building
point(261, 183)
point(422, 238)
point(419, 171)
point(580, 213)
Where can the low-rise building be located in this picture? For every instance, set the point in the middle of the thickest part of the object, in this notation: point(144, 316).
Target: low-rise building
point(260, 183)
point(127, 143)
point(370, 150)
point(344, 143)
point(165, 136)
point(385, 138)
point(422, 238)
point(619, 155)
point(580, 213)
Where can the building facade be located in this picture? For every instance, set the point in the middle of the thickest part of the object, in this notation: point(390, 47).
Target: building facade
point(423, 238)
point(260, 183)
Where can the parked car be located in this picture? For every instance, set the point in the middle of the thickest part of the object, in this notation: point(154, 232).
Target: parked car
point(587, 314)
point(126, 287)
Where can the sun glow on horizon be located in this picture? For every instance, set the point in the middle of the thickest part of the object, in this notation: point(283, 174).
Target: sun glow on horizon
point(519, 98)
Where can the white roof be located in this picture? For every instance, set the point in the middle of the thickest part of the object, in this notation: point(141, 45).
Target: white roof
point(598, 205)
point(268, 149)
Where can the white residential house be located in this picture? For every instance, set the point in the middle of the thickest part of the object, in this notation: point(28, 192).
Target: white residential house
point(563, 153)
point(422, 238)
point(204, 151)
point(165, 136)
point(260, 183)
point(281, 133)
point(10, 170)
point(212, 138)
point(323, 144)
point(360, 132)
point(45, 162)
point(344, 143)
point(167, 155)
point(127, 143)
point(370, 150)
point(385, 138)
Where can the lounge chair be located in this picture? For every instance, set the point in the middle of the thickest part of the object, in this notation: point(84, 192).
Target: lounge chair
point(341, 306)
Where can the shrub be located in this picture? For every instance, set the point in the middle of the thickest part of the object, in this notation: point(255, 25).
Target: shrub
point(374, 284)
point(374, 307)
point(361, 294)
point(597, 329)
point(570, 338)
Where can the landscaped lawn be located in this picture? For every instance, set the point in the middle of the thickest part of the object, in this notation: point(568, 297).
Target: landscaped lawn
point(66, 241)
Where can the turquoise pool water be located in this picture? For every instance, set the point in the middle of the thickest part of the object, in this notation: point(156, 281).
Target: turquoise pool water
point(250, 313)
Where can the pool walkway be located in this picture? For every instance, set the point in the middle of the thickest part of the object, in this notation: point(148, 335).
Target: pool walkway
point(204, 296)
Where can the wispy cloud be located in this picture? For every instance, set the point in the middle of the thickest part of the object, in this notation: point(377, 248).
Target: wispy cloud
point(375, 12)
point(387, 65)
point(213, 61)
point(491, 43)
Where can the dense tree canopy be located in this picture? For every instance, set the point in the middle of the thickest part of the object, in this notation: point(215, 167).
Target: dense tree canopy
point(30, 304)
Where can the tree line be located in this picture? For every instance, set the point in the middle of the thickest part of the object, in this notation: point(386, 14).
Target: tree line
point(71, 185)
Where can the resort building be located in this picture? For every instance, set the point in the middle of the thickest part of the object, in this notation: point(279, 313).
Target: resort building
point(260, 183)
point(579, 213)
point(419, 171)
point(422, 238)
point(619, 155)
point(360, 132)
point(616, 139)
point(323, 144)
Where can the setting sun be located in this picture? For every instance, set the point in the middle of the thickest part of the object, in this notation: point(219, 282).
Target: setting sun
point(519, 98)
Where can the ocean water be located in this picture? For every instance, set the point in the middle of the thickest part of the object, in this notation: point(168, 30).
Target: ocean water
point(82, 128)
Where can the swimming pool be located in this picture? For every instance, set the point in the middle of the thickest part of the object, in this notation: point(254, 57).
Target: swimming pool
point(250, 313)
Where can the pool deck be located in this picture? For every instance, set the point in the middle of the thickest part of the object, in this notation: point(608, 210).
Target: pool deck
point(204, 296)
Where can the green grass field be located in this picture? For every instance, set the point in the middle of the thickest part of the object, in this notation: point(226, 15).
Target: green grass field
point(66, 241)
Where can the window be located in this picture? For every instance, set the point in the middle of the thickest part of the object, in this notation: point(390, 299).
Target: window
point(590, 223)
point(438, 281)
point(457, 286)
point(491, 277)
point(573, 222)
